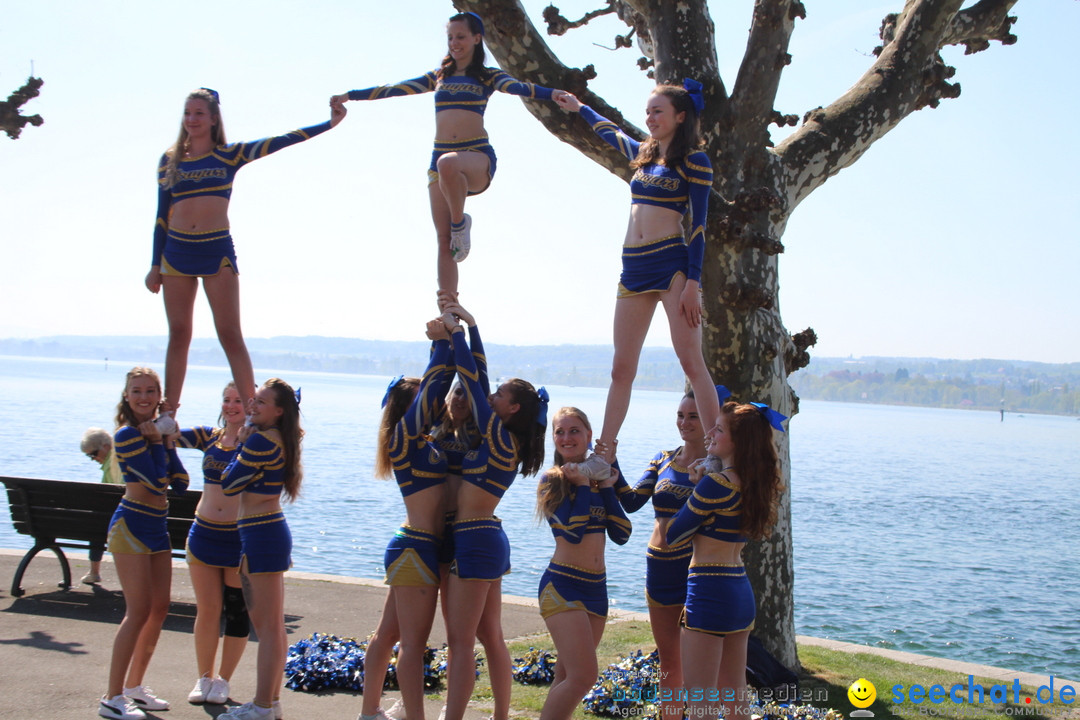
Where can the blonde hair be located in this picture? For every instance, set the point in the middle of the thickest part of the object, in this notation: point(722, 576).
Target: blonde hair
point(217, 134)
point(554, 487)
point(124, 414)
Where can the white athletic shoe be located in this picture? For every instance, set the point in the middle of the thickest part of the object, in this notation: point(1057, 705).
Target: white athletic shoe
point(218, 693)
point(119, 707)
point(595, 468)
point(460, 241)
point(200, 691)
point(279, 714)
point(145, 698)
point(397, 710)
point(247, 711)
point(166, 424)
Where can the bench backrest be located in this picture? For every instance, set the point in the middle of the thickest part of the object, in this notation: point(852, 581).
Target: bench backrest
point(62, 509)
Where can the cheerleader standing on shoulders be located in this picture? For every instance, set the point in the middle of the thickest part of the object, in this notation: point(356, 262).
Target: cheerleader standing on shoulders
point(734, 501)
point(463, 162)
point(213, 555)
point(139, 542)
point(672, 177)
point(266, 467)
point(573, 590)
point(512, 422)
point(191, 236)
point(667, 482)
point(410, 408)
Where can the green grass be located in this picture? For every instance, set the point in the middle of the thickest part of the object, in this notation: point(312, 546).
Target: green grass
point(825, 679)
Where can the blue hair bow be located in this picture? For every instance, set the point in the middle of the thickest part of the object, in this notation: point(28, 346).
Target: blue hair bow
point(541, 411)
point(693, 87)
point(478, 21)
point(771, 415)
point(213, 94)
point(391, 386)
point(722, 393)
point(296, 394)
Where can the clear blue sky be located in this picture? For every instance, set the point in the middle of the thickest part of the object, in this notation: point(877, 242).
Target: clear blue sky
point(955, 236)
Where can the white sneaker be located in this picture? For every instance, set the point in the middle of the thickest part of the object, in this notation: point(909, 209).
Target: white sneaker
point(279, 714)
point(595, 468)
point(377, 715)
point(200, 691)
point(145, 698)
point(218, 693)
point(397, 710)
point(119, 708)
point(166, 424)
point(91, 578)
point(460, 242)
point(247, 711)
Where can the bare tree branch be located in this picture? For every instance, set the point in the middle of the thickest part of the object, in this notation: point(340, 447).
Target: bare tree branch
point(976, 26)
point(558, 25)
point(908, 75)
point(762, 65)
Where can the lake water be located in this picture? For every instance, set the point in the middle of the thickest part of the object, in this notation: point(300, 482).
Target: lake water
point(942, 532)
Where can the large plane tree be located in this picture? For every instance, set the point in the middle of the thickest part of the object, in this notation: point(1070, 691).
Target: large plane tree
point(757, 185)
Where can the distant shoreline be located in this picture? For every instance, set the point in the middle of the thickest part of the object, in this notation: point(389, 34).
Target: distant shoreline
point(1012, 386)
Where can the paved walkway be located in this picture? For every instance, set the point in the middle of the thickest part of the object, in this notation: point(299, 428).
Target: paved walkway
point(55, 645)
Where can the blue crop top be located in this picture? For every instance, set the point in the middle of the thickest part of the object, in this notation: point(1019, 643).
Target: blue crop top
point(418, 462)
point(455, 444)
point(259, 467)
point(216, 457)
point(458, 92)
point(585, 511)
point(665, 481)
point(493, 465)
point(678, 189)
point(714, 511)
point(148, 464)
point(211, 175)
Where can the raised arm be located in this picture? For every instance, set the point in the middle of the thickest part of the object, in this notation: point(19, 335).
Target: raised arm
point(431, 394)
point(572, 515)
point(608, 131)
point(255, 456)
point(423, 84)
point(140, 461)
point(712, 495)
point(503, 82)
point(246, 152)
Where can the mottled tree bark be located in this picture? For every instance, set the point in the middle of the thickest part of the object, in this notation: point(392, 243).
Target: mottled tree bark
point(756, 186)
point(11, 121)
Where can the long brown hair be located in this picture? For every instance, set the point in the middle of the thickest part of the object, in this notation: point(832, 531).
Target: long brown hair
point(217, 134)
point(528, 433)
point(687, 138)
point(291, 434)
point(554, 487)
point(397, 403)
point(124, 414)
point(476, 69)
point(757, 465)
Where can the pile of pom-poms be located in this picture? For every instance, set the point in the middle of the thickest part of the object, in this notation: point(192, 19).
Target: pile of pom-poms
point(536, 668)
point(630, 687)
point(328, 662)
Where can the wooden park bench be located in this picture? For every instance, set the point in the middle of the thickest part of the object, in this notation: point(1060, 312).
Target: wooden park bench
point(65, 514)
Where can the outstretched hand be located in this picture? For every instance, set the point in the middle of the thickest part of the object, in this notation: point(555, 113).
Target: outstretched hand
point(337, 110)
point(567, 101)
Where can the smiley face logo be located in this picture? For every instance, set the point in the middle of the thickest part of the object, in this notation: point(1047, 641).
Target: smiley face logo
point(862, 693)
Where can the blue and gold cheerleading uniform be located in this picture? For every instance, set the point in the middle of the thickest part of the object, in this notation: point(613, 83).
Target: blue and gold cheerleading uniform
point(719, 599)
point(211, 543)
point(668, 484)
point(135, 527)
point(567, 587)
point(481, 548)
point(412, 557)
point(458, 92)
point(652, 267)
point(259, 467)
point(210, 175)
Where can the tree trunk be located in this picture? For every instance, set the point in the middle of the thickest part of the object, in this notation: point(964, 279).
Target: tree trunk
point(756, 186)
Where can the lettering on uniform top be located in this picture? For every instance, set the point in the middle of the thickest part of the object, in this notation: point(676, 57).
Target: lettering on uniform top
point(670, 488)
point(218, 173)
point(659, 181)
point(458, 88)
